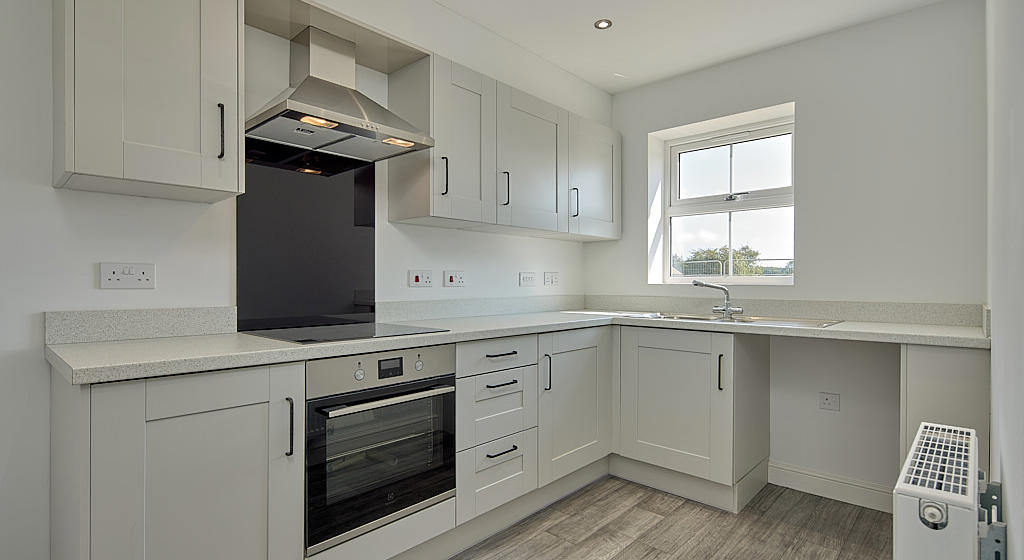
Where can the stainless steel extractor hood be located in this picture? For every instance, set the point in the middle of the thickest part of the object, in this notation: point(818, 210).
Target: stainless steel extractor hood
point(321, 124)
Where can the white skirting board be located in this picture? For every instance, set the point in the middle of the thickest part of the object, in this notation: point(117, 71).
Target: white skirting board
point(856, 492)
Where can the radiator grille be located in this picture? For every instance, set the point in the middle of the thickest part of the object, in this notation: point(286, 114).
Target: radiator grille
point(940, 460)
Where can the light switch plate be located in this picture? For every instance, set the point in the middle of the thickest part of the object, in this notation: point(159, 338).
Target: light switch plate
point(527, 279)
point(127, 276)
point(420, 279)
point(454, 279)
point(828, 401)
point(550, 278)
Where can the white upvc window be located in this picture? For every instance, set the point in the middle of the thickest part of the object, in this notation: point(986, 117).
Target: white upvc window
point(728, 215)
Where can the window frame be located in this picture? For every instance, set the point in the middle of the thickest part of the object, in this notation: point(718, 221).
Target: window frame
point(673, 206)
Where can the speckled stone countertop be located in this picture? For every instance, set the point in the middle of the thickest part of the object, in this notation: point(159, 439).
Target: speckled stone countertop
point(100, 362)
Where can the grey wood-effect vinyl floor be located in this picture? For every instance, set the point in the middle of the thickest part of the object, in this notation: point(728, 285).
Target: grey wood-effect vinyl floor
point(613, 519)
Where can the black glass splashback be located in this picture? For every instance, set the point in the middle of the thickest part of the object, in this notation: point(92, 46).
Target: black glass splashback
point(305, 248)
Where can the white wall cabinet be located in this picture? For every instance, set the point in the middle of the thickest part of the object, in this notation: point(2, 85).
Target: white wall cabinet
point(695, 402)
point(575, 403)
point(504, 161)
point(532, 160)
point(148, 98)
point(451, 185)
point(199, 466)
point(595, 180)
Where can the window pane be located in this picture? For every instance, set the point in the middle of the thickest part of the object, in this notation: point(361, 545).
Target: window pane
point(700, 245)
point(704, 172)
point(762, 242)
point(763, 164)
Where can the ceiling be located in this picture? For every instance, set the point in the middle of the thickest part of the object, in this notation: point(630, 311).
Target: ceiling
point(655, 39)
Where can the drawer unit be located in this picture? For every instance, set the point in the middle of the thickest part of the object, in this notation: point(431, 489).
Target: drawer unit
point(495, 473)
point(494, 405)
point(483, 356)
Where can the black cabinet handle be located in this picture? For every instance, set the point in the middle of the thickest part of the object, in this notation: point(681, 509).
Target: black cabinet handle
point(506, 384)
point(577, 214)
point(720, 356)
point(514, 448)
point(221, 107)
point(550, 366)
point(445, 191)
point(291, 426)
point(505, 355)
point(508, 188)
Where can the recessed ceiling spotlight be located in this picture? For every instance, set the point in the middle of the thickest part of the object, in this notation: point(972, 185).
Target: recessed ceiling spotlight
point(603, 23)
point(617, 75)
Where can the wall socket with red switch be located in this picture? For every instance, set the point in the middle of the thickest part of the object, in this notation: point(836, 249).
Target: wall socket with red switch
point(420, 279)
point(454, 279)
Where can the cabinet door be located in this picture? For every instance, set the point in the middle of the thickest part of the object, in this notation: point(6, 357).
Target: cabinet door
point(187, 467)
point(464, 121)
point(676, 403)
point(594, 179)
point(574, 420)
point(532, 162)
point(158, 102)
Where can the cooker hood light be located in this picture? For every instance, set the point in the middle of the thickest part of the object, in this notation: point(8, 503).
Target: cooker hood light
point(317, 121)
point(398, 142)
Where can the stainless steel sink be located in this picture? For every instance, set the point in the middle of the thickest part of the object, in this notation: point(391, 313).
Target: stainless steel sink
point(763, 321)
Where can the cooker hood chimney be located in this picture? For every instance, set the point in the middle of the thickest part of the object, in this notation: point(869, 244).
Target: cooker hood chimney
point(321, 124)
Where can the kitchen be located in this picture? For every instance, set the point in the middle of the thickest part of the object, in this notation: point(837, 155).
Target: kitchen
point(895, 122)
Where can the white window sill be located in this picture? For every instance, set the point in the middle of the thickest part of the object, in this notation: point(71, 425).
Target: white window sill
point(731, 280)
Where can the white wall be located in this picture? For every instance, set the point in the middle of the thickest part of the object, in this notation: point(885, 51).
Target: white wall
point(848, 443)
point(890, 159)
point(491, 262)
point(1006, 238)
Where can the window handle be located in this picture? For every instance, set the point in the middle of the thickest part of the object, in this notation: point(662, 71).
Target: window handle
point(735, 196)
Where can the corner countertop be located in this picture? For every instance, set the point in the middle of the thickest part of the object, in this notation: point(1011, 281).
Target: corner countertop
point(101, 362)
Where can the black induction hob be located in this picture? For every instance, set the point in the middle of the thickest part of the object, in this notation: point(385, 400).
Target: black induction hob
point(334, 333)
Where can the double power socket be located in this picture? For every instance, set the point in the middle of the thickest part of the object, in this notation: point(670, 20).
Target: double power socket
point(424, 279)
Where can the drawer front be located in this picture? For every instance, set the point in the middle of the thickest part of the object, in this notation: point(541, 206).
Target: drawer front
point(483, 356)
point(494, 405)
point(495, 473)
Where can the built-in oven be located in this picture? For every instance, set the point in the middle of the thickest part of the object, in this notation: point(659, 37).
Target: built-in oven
point(380, 440)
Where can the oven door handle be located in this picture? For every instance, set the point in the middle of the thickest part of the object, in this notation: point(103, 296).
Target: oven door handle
point(362, 407)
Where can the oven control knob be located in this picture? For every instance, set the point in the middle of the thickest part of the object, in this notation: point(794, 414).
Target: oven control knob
point(419, 365)
point(360, 374)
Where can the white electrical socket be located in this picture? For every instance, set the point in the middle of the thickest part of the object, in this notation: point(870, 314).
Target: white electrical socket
point(527, 279)
point(828, 401)
point(420, 279)
point(127, 276)
point(454, 279)
point(550, 278)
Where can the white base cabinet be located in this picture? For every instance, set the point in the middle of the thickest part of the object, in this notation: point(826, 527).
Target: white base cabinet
point(694, 402)
point(147, 98)
point(575, 404)
point(197, 466)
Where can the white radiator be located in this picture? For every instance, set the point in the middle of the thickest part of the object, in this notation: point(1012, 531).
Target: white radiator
point(935, 502)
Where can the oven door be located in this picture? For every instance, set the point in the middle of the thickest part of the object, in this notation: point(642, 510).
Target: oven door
point(375, 456)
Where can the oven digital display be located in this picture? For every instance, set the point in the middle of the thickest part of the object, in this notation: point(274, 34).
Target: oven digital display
point(391, 367)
